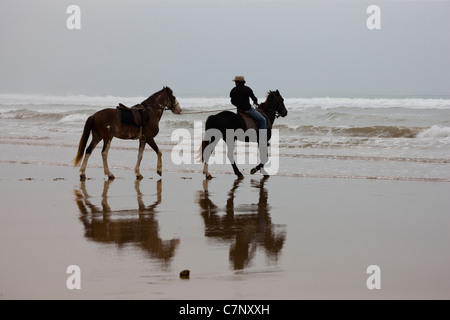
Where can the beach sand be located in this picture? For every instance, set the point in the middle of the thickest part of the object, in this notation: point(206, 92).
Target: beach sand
point(276, 238)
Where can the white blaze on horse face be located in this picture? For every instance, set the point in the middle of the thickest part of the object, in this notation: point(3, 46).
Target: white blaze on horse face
point(177, 108)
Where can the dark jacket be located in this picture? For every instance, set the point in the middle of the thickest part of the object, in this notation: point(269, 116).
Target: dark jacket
point(240, 96)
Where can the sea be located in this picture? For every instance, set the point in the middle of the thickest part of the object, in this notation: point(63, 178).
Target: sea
point(323, 137)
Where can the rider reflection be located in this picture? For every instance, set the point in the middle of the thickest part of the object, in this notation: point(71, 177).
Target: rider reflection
point(246, 227)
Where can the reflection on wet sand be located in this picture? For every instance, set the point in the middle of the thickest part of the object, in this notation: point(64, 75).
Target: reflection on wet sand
point(138, 227)
point(246, 227)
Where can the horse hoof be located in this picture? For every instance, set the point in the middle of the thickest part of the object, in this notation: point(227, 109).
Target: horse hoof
point(139, 177)
point(111, 177)
point(240, 176)
point(159, 172)
point(209, 177)
point(82, 177)
point(253, 171)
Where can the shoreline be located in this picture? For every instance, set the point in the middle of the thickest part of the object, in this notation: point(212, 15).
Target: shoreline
point(226, 172)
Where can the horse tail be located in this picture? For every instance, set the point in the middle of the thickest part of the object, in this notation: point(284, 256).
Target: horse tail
point(83, 141)
point(208, 125)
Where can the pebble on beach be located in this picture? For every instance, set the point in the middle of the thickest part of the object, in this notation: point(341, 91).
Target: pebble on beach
point(184, 274)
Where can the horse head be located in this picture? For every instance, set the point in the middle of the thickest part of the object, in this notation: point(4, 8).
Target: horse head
point(163, 99)
point(275, 102)
point(172, 103)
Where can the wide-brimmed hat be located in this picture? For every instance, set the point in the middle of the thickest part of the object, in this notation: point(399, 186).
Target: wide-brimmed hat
point(239, 79)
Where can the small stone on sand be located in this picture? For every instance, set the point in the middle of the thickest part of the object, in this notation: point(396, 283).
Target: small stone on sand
point(184, 274)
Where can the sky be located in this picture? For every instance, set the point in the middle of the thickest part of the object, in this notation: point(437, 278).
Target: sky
point(196, 47)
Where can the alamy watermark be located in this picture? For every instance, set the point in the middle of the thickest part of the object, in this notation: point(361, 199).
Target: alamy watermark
point(374, 20)
point(73, 21)
point(74, 280)
point(374, 280)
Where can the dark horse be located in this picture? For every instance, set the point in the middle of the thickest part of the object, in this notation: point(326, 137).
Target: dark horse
point(105, 125)
point(227, 120)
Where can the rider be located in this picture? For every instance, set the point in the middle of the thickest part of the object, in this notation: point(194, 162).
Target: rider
point(240, 96)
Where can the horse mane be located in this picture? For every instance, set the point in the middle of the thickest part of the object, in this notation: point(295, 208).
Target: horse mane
point(156, 94)
point(169, 91)
point(265, 103)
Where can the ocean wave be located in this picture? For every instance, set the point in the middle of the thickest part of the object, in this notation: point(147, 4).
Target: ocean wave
point(221, 102)
point(30, 114)
point(435, 132)
point(51, 116)
point(332, 103)
point(71, 100)
point(201, 103)
point(74, 118)
point(365, 132)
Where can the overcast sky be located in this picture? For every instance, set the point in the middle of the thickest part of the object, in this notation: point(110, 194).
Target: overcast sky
point(303, 48)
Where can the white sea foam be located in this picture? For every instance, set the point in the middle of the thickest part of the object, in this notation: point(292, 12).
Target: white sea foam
point(74, 118)
point(435, 132)
point(325, 103)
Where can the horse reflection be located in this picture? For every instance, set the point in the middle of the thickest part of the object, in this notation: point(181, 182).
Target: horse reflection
point(247, 227)
point(138, 227)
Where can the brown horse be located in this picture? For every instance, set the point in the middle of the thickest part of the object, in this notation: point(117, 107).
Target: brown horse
point(105, 125)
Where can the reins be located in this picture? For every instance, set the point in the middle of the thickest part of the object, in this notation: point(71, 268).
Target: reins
point(220, 110)
point(159, 106)
point(207, 111)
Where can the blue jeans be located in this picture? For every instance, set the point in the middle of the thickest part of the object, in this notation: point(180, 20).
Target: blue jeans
point(258, 117)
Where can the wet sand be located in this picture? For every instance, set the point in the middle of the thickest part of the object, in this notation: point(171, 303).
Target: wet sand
point(276, 238)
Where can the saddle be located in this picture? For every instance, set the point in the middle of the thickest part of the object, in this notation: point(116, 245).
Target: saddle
point(134, 116)
point(248, 122)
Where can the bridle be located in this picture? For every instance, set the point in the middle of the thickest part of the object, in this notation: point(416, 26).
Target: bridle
point(279, 103)
point(161, 106)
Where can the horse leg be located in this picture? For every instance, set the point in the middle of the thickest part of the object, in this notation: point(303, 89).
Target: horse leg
point(264, 158)
point(206, 171)
point(151, 142)
point(106, 145)
point(95, 140)
point(257, 168)
point(236, 171)
point(230, 155)
point(210, 145)
point(139, 159)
